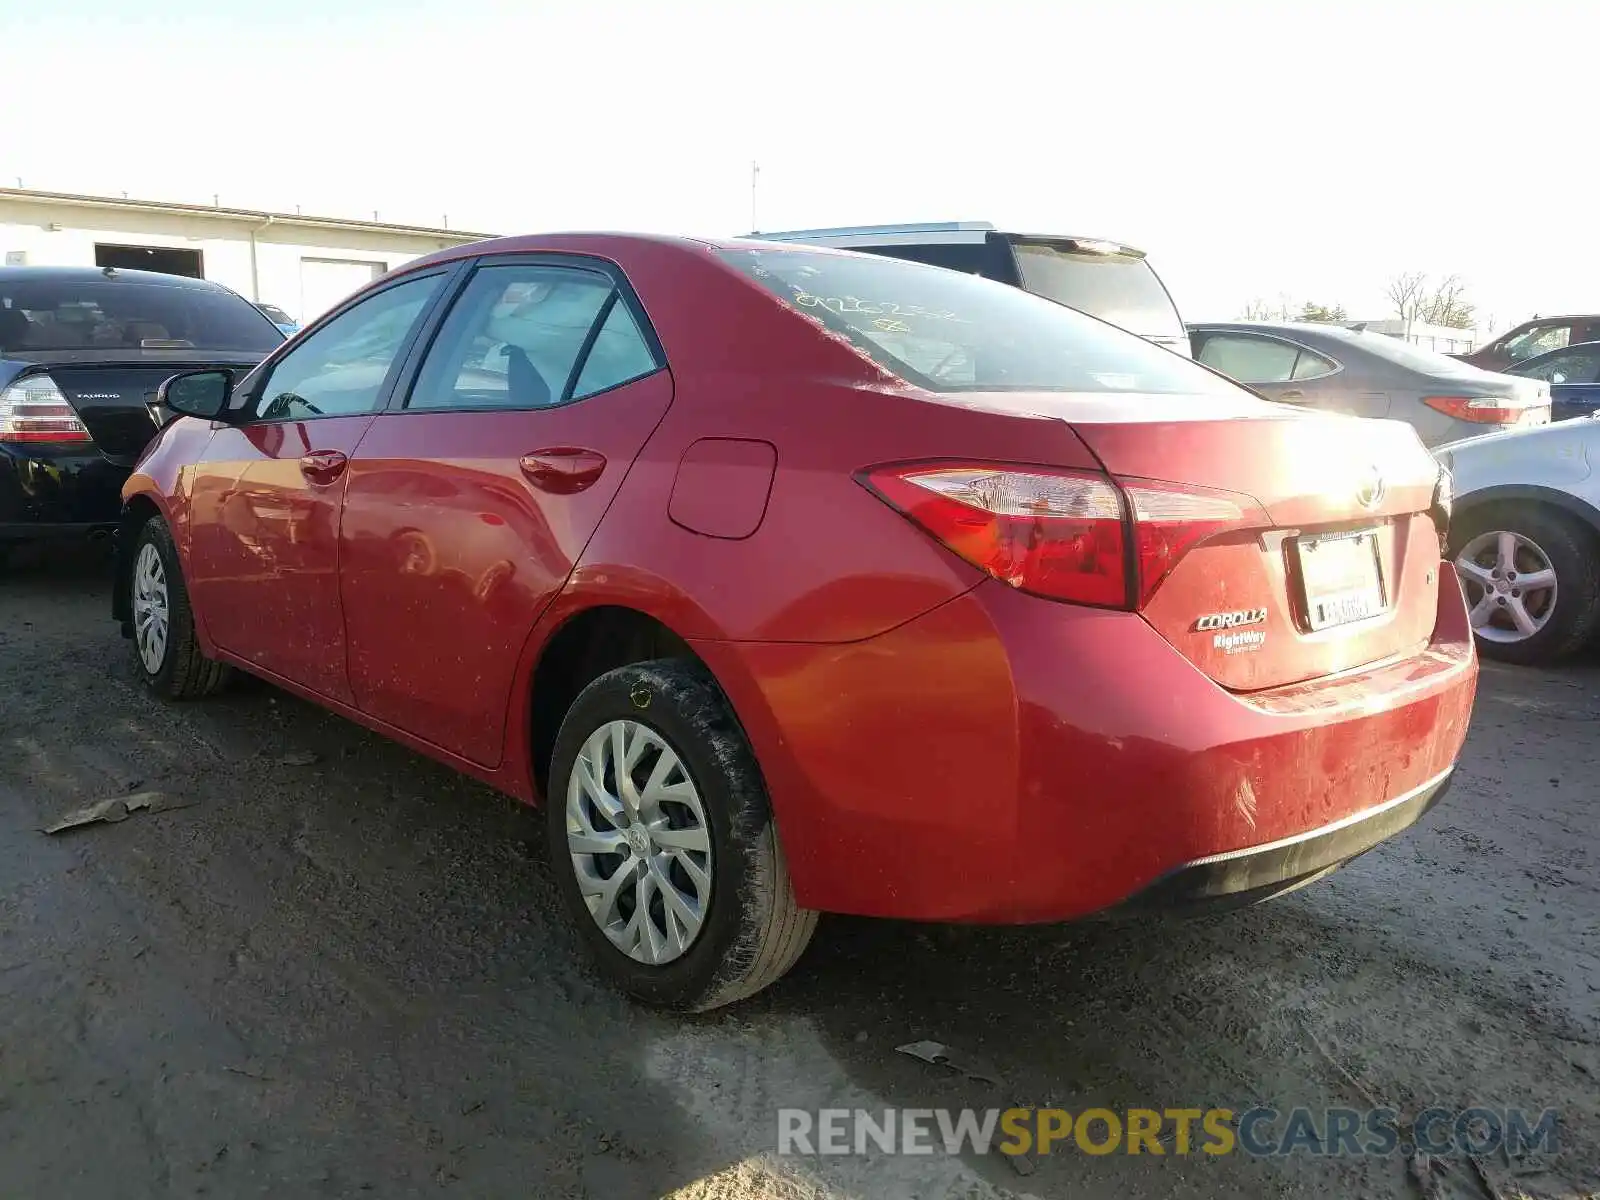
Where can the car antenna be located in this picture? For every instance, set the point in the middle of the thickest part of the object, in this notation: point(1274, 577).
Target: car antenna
point(1358, 327)
point(108, 272)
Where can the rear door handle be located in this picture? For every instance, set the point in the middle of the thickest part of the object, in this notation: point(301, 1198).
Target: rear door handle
point(323, 466)
point(1292, 396)
point(562, 469)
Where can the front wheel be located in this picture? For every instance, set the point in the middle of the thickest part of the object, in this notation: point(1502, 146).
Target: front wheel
point(166, 653)
point(1531, 576)
point(663, 841)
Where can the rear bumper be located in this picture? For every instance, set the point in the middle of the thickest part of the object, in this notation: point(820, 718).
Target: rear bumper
point(1003, 759)
point(57, 491)
point(1256, 873)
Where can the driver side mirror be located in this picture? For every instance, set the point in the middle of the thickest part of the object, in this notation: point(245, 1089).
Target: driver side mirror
point(203, 394)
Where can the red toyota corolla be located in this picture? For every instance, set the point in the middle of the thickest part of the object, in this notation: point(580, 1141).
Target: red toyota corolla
point(795, 581)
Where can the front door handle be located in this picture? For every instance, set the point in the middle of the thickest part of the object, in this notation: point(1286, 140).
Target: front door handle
point(323, 466)
point(562, 469)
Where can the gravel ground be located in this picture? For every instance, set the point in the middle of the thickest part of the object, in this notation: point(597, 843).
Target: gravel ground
point(339, 971)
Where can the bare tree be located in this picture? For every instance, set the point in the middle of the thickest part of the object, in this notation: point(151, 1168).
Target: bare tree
point(1447, 305)
point(1408, 292)
point(1415, 302)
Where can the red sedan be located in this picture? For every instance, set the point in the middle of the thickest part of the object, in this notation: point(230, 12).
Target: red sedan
point(792, 580)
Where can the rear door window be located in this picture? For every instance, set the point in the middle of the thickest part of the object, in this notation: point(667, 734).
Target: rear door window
point(108, 313)
point(531, 336)
point(1116, 287)
point(948, 332)
point(1252, 359)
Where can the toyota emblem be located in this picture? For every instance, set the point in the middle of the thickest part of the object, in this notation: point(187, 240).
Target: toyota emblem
point(1370, 491)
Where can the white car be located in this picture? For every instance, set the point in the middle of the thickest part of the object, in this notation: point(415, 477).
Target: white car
point(1525, 537)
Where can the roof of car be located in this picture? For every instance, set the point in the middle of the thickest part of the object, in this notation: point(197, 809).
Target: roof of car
point(1352, 335)
point(91, 274)
point(972, 232)
point(852, 230)
point(602, 244)
point(1272, 326)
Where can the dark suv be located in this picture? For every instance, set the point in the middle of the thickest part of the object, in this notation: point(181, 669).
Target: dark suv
point(1104, 279)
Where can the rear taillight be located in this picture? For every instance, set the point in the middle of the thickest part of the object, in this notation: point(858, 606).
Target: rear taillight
point(34, 410)
point(1482, 410)
point(1077, 536)
point(1058, 534)
point(1169, 520)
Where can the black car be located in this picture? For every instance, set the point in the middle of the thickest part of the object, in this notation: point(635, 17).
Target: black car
point(82, 351)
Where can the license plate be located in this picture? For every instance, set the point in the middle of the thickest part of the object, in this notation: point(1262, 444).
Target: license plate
point(1342, 577)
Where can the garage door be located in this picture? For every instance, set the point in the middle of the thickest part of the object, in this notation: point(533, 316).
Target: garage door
point(326, 281)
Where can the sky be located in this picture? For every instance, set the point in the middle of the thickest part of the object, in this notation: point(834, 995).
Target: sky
point(1305, 148)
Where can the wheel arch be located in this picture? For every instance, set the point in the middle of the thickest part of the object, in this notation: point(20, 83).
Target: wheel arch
point(584, 643)
point(137, 510)
point(1526, 493)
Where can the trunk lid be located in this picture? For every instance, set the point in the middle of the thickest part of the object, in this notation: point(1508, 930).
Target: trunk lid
point(1334, 561)
point(115, 398)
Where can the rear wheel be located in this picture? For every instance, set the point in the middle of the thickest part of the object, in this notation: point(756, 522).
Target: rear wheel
point(1531, 575)
point(166, 652)
point(663, 842)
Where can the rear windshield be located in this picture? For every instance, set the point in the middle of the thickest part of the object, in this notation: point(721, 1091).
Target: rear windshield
point(126, 314)
point(1120, 288)
point(1412, 357)
point(949, 332)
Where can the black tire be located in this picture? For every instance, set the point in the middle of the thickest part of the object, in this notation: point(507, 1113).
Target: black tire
point(1574, 553)
point(182, 672)
point(752, 931)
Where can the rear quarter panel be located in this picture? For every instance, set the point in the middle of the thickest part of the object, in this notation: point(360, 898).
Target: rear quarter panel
point(829, 561)
point(1556, 458)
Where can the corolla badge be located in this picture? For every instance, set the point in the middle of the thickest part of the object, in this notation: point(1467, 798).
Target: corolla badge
point(1371, 488)
point(1230, 620)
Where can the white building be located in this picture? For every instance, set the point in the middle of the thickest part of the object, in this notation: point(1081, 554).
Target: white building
point(1443, 338)
point(301, 264)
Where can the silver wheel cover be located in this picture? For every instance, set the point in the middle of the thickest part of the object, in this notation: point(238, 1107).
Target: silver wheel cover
point(1509, 583)
point(639, 842)
point(152, 619)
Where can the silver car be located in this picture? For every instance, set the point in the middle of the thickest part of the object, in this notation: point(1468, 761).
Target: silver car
point(1371, 375)
point(1525, 537)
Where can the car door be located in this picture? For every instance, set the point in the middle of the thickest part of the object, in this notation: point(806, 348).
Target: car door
point(1574, 379)
point(1286, 371)
point(264, 521)
point(470, 499)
